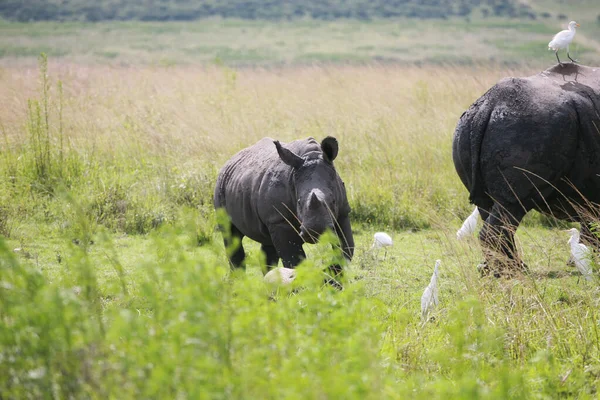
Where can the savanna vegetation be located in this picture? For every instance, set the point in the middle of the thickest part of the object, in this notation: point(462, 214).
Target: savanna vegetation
point(114, 282)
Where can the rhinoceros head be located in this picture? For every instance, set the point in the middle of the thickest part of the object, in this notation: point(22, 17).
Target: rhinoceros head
point(316, 187)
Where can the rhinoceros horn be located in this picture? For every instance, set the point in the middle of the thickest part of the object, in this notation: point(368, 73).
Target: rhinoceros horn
point(288, 156)
point(314, 201)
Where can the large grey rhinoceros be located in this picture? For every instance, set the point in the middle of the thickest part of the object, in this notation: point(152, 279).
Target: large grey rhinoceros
point(283, 196)
point(531, 143)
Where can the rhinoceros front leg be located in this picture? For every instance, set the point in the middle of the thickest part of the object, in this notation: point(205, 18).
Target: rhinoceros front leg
point(234, 248)
point(344, 233)
point(498, 240)
point(288, 245)
point(271, 255)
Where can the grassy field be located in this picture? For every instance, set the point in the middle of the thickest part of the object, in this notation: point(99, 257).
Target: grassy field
point(113, 280)
point(303, 42)
point(114, 283)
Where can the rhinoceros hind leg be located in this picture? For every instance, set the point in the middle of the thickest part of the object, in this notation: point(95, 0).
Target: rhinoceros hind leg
point(498, 240)
point(484, 206)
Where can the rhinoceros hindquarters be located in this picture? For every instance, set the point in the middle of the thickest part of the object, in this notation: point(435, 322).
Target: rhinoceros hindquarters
point(531, 143)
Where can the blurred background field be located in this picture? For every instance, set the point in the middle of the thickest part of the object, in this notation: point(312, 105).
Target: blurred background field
point(113, 279)
point(506, 32)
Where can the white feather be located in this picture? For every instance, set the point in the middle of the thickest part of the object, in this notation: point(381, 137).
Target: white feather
point(468, 227)
point(381, 239)
point(429, 299)
point(280, 276)
point(563, 38)
point(580, 254)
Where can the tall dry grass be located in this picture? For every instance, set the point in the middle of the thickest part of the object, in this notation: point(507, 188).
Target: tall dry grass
point(148, 132)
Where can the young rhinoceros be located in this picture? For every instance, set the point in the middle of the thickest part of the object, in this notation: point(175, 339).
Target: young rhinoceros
point(283, 196)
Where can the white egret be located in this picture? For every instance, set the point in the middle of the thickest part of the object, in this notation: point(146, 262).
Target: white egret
point(429, 299)
point(280, 275)
point(381, 239)
point(562, 40)
point(468, 227)
point(580, 254)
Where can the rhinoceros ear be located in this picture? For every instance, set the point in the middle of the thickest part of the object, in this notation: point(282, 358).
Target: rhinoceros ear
point(288, 156)
point(330, 148)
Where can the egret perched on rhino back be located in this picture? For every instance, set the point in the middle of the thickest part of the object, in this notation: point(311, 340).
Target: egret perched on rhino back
point(563, 39)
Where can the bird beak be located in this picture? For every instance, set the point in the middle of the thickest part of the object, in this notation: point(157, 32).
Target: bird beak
point(577, 25)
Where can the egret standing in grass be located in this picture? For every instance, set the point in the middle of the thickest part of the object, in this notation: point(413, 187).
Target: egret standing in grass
point(429, 299)
point(580, 254)
point(280, 276)
point(468, 227)
point(381, 239)
point(562, 40)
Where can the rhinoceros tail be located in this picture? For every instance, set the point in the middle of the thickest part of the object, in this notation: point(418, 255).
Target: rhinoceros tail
point(466, 147)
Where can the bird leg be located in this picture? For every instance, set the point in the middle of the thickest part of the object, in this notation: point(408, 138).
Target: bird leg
point(556, 53)
point(569, 55)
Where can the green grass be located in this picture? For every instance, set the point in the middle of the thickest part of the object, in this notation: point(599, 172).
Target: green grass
point(114, 281)
point(159, 316)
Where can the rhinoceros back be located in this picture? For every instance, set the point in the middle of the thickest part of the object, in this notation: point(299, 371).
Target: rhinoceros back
point(526, 138)
point(238, 184)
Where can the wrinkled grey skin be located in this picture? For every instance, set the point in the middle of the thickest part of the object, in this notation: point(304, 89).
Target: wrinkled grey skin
point(531, 143)
point(282, 196)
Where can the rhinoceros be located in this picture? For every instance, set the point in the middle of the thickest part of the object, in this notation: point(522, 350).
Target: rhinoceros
point(283, 195)
point(531, 143)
